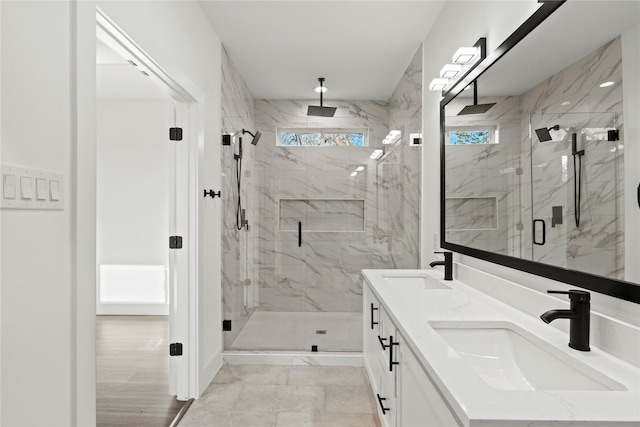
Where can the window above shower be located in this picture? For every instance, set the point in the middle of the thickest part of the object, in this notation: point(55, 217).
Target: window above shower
point(323, 137)
point(469, 135)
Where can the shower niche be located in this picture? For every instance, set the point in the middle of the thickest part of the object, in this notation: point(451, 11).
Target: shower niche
point(321, 215)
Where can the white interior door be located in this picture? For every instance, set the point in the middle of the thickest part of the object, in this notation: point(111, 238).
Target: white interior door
point(179, 257)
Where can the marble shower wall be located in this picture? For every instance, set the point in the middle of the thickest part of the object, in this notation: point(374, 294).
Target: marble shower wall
point(509, 171)
point(323, 274)
point(597, 245)
point(238, 246)
point(402, 174)
point(482, 180)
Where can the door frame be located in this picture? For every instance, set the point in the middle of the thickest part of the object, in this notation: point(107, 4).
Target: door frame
point(183, 298)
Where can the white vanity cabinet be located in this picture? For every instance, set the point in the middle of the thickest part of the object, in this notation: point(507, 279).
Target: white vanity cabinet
point(419, 403)
point(405, 395)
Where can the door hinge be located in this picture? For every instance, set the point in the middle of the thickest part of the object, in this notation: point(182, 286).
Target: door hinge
point(519, 171)
point(175, 134)
point(175, 242)
point(175, 349)
point(226, 325)
point(520, 226)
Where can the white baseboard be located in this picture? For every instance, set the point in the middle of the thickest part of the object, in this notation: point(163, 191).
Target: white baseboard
point(132, 309)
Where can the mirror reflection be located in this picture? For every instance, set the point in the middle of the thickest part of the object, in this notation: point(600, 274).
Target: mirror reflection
point(534, 167)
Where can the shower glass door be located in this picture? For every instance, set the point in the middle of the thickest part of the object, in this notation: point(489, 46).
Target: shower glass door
point(577, 205)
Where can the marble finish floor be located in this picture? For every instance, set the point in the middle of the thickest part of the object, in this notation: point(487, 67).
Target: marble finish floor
point(285, 396)
point(133, 372)
point(299, 331)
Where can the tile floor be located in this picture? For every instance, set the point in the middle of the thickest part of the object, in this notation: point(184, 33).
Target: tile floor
point(285, 396)
point(330, 331)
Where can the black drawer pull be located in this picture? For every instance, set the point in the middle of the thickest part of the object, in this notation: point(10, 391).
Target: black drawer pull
point(382, 340)
point(372, 310)
point(380, 399)
point(391, 344)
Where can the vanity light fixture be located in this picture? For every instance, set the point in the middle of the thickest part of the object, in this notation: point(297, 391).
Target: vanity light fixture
point(376, 154)
point(438, 84)
point(359, 168)
point(565, 103)
point(464, 61)
point(450, 71)
point(392, 137)
point(465, 55)
point(354, 173)
point(607, 84)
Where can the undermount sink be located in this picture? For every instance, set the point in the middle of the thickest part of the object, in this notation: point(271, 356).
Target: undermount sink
point(509, 358)
point(405, 280)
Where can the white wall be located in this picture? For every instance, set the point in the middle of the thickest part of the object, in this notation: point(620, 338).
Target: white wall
point(133, 195)
point(37, 306)
point(47, 304)
point(496, 20)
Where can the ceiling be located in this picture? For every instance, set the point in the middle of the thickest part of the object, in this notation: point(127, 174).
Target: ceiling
point(117, 79)
point(361, 47)
point(556, 44)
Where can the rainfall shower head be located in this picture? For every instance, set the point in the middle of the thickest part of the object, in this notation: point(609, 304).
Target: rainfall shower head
point(544, 135)
point(256, 136)
point(321, 111)
point(475, 108)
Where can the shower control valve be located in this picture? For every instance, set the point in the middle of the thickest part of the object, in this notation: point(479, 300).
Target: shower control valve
point(212, 193)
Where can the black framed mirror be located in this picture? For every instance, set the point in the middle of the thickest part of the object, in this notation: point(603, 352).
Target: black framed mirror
point(535, 181)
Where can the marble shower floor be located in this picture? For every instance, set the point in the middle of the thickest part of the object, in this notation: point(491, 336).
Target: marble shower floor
point(298, 331)
point(285, 396)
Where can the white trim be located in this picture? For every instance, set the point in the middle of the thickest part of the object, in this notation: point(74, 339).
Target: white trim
point(108, 309)
point(184, 325)
point(292, 358)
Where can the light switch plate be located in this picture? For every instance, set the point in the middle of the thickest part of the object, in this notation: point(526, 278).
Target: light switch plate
point(27, 188)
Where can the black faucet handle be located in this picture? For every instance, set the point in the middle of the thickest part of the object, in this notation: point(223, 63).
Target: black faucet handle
point(447, 254)
point(574, 295)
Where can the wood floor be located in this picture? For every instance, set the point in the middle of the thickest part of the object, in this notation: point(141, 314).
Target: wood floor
point(133, 372)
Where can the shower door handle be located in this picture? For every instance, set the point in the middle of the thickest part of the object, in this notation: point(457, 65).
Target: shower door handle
point(639, 195)
point(544, 232)
point(299, 233)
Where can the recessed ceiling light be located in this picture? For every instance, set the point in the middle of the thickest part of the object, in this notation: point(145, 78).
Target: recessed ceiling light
point(565, 103)
point(319, 89)
point(607, 84)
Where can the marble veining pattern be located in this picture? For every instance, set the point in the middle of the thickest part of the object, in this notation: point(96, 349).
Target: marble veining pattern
point(369, 220)
point(509, 170)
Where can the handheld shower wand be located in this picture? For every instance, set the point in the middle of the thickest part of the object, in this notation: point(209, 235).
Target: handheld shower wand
point(577, 177)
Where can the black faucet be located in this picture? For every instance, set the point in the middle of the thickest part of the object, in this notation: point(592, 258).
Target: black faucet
point(448, 264)
point(579, 315)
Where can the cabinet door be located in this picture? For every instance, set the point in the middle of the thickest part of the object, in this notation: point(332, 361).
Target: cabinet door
point(371, 331)
point(419, 404)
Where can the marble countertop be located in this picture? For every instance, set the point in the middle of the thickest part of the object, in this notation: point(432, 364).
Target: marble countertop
point(473, 400)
